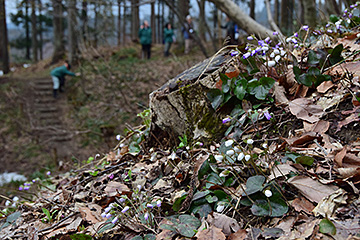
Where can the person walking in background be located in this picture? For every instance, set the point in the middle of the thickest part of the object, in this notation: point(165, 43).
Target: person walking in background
point(187, 31)
point(168, 38)
point(58, 76)
point(145, 35)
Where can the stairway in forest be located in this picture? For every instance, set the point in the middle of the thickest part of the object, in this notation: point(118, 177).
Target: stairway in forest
point(48, 120)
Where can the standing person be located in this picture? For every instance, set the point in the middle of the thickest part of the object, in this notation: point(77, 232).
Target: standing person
point(187, 31)
point(145, 35)
point(58, 76)
point(168, 38)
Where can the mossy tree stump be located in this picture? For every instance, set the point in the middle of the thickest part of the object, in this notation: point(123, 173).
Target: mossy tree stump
point(181, 106)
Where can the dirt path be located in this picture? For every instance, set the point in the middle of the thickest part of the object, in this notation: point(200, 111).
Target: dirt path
point(47, 120)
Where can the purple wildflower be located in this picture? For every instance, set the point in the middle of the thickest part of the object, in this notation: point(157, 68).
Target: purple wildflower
point(108, 209)
point(250, 38)
point(111, 176)
point(21, 188)
point(305, 27)
point(296, 34)
point(327, 25)
point(149, 205)
point(267, 40)
point(261, 43)
point(245, 56)
point(234, 53)
point(226, 120)
point(122, 200)
point(158, 203)
point(125, 209)
point(34, 180)
point(26, 188)
point(108, 215)
point(275, 33)
point(146, 216)
point(103, 215)
point(267, 115)
point(48, 173)
point(115, 220)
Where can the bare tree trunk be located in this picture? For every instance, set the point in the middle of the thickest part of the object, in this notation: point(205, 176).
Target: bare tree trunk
point(284, 23)
point(40, 31)
point(124, 23)
point(134, 19)
point(153, 22)
point(34, 42)
point(59, 49)
point(276, 12)
point(72, 32)
point(270, 18)
point(252, 9)
point(84, 20)
point(4, 54)
point(96, 19)
point(27, 30)
point(119, 23)
point(242, 19)
point(202, 21)
point(310, 12)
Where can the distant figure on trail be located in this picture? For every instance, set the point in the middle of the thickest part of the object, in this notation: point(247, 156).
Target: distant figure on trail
point(58, 76)
point(145, 35)
point(231, 30)
point(187, 31)
point(168, 38)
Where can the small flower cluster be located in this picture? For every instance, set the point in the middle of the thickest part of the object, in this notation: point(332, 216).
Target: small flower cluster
point(138, 210)
point(27, 185)
point(262, 50)
point(9, 204)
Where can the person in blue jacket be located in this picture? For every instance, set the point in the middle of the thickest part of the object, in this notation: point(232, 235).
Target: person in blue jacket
point(145, 35)
point(168, 38)
point(58, 76)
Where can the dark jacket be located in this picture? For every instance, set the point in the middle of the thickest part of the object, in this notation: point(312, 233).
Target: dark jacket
point(61, 71)
point(189, 28)
point(168, 35)
point(145, 36)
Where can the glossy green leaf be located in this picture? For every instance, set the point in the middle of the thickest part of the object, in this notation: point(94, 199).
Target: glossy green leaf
point(203, 210)
point(273, 207)
point(177, 204)
point(216, 98)
point(254, 184)
point(326, 226)
point(313, 58)
point(305, 160)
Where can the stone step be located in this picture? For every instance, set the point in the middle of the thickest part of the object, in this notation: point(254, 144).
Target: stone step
point(63, 138)
point(43, 81)
point(45, 109)
point(44, 93)
point(48, 100)
point(47, 87)
point(48, 115)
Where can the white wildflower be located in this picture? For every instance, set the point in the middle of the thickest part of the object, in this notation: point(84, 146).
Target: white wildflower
point(247, 157)
point(230, 152)
point(229, 143)
point(219, 157)
point(268, 193)
point(241, 156)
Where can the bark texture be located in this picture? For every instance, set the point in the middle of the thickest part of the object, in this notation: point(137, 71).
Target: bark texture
point(4, 54)
point(181, 106)
point(59, 49)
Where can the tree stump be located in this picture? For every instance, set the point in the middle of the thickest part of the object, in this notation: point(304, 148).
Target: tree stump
point(181, 107)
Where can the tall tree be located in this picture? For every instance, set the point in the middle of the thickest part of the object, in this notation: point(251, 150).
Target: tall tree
point(202, 19)
point(59, 49)
point(34, 41)
point(310, 12)
point(119, 23)
point(72, 31)
point(285, 16)
point(84, 20)
point(27, 29)
point(40, 30)
point(135, 24)
point(4, 54)
point(153, 22)
point(124, 24)
point(252, 8)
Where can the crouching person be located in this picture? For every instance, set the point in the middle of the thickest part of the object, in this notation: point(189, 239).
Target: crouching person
point(58, 76)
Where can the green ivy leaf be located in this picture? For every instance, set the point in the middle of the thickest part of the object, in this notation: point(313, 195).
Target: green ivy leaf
point(203, 210)
point(313, 58)
point(305, 160)
point(188, 225)
point(211, 199)
point(254, 184)
point(276, 208)
point(204, 169)
point(216, 97)
point(240, 92)
point(335, 54)
point(326, 226)
point(177, 204)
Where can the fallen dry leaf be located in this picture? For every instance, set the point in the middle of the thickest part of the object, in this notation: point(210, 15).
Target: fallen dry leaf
point(279, 94)
point(302, 204)
point(239, 235)
point(312, 189)
point(304, 139)
point(352, 118)
point(113, 188)
point(346, 160)
point(318, 127)
point(304, 109)
point(281, 170)
point(325, 86)
point(327, 206)
point(227, 224)
point(211, 233)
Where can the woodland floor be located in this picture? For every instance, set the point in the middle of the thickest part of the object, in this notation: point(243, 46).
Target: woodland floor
point(327, 188)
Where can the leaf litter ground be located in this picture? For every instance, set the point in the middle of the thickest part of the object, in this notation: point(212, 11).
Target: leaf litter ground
point(317, 156)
